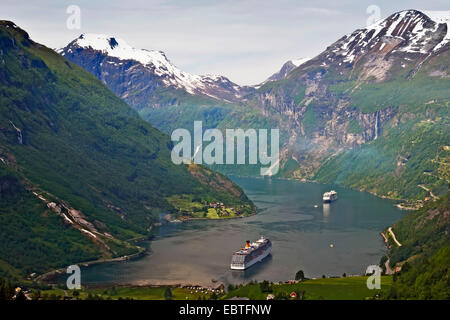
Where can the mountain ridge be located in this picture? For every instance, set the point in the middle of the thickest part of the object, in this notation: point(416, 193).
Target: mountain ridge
point(166, 73)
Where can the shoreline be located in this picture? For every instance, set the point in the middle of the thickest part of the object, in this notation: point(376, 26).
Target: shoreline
point(209, 219)
point(48, 276)
point(401, 202)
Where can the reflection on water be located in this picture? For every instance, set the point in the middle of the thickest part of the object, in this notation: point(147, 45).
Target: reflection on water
point(326, 211)
point(251, 273)
point(291, 215)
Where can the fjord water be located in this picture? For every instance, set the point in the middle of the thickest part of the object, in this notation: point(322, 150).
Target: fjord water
point(330, 239)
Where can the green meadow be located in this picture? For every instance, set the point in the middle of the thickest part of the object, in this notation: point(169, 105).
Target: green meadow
point(346, 288)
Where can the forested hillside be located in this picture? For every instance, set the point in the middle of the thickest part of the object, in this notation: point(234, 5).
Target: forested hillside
point(79, 165)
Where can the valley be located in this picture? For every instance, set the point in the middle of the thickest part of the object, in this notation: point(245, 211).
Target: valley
point(290, 214)
point(375, 101)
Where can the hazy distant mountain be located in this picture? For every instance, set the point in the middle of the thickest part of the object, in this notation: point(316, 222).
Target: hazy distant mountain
point(286, 69)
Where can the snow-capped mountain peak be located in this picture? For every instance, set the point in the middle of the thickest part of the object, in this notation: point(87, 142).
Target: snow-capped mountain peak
point(118, 51)
point(409, 31)
point(116, 47)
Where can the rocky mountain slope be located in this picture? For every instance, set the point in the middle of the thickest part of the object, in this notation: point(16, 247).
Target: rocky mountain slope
point(137, 74)
point(364, 99)
point(286, 69)
point(80, 172)
point(162, 94)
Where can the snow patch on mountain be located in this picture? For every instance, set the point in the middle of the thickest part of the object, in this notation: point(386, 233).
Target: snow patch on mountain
point(299, 61)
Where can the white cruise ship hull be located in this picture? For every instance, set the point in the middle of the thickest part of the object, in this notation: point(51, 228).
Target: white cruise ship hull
point(252, 262)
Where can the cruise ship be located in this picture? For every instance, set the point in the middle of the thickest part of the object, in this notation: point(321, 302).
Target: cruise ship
point(250, 254)
point(330, 196)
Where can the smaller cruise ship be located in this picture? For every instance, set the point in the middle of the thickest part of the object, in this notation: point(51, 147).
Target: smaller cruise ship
point(330, 196)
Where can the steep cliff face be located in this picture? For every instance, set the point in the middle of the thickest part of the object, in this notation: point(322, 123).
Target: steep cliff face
point(317, 121)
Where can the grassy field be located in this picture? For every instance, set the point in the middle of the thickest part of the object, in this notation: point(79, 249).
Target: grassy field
point(135, 293)
point(350, 288)
point(190, 207)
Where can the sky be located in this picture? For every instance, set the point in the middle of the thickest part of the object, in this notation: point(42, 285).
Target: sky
point(244, 40)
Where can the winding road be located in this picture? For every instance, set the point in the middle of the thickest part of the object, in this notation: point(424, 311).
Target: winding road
point(393, 237)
